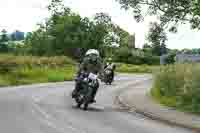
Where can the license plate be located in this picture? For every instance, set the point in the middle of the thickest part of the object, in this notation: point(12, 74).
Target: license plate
point(92, 76)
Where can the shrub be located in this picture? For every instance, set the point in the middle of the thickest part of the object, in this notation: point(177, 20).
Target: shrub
point(180, 82)
point(129, 68)
point(137, 57)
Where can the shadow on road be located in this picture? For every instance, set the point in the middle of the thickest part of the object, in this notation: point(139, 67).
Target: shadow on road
point(90, 109)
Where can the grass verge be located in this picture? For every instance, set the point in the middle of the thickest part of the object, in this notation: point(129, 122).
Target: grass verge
point(129, 68)
point(26, 75)
point(178, 86)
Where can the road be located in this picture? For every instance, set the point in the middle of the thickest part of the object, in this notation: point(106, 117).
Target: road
point(48, 108)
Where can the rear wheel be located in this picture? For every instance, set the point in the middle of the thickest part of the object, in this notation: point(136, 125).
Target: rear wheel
point(79, 101)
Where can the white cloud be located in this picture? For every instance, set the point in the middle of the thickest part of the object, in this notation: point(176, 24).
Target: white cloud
point(24, 14)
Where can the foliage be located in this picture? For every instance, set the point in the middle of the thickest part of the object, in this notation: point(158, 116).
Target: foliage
point(179, 82)
point(17, 70)
point(135, 56)
point(157, 38)
point(129, 68)
point(123, 35)
point(9, 63)
point(67, 33)
point(27, 75)
point(170, 13)
point(169, 101)
point(3, 41)
point(171, 57)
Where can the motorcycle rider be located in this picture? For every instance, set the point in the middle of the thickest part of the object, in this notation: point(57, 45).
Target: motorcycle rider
point(91, 63)
point(111, 66)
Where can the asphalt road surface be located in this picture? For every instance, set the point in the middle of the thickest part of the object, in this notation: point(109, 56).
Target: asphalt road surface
point(48, 108)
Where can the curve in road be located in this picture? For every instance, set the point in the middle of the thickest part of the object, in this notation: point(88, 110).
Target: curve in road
point(48, 108)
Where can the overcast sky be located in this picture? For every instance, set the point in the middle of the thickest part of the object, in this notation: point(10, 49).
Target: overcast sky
point(25, 14)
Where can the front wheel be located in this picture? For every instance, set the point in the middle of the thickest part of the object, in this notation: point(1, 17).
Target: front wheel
point(85, 106)
point(78, 105)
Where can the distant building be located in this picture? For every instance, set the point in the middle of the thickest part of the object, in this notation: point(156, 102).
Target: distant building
point(17, 35)
point(163, 59)
point(131, 42)
point(181, 58)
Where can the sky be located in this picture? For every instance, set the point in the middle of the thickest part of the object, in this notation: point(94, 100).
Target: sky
point(25, 14)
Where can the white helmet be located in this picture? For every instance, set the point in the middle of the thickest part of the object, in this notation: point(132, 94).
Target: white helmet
point(92, 51)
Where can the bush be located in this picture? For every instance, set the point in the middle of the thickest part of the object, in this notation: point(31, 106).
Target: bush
point(137, 57)
point(179, 82)
point(129, 68)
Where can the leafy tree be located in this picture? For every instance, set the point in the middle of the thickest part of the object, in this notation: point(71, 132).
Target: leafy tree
point(3, 41)
point(103, 19)
point(169, 12)
point(123, 35)
point(67, 33)
point(4, 37)
point(147, 49)
point(163, 49)
point(157, 38)
point(39, 43)
point(146, 46)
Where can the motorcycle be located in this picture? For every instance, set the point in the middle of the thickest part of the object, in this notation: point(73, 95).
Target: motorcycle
point(108, 77)
point(84, 96)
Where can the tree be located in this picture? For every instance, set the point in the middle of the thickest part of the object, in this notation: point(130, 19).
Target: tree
point(146, 45)
point(67, 33)
point(157, 38)
point(3, 41)
point(4, 37)
point(103, 19)
point(169, 12)
point(147, 49)
point(123, 35)
point(163, 49)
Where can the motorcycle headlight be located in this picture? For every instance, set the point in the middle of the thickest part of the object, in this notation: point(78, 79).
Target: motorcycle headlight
point(107, 72)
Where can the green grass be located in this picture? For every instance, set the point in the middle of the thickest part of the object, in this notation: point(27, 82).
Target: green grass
point(167, 101)
point(19, 70)
point(14, 61)
point(33, 75)
point(128, 68)
point(178, 86)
